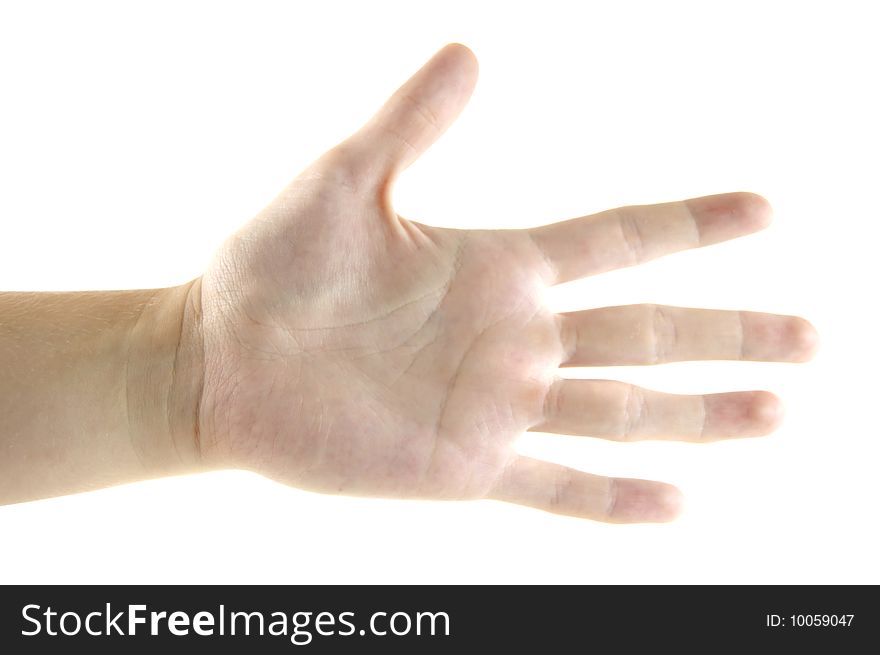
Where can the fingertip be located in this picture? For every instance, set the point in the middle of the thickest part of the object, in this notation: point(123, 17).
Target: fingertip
point(646, 501)
point(420, 111)
point(741, 414)
point(670, 504)
point(803, 339)
point(752, 211)
point(459, 63)
point(766, 411)
point(777, 338)
point(729, 215)
point(462, 53)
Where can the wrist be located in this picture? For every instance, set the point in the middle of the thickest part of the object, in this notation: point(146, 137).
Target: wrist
point(164, 379)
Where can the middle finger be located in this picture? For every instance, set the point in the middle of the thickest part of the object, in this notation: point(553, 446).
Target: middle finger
point(654, 334)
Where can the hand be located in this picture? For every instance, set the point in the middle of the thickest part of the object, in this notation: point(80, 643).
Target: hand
point(350, 350)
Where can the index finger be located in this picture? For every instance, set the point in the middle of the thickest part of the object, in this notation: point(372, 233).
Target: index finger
point(633, 235)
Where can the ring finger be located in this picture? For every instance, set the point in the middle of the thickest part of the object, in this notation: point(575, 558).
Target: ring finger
point(623, 412)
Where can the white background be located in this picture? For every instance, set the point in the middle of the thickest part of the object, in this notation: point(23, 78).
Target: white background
point(135, 136)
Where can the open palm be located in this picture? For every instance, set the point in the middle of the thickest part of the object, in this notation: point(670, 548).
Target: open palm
point(349, 350)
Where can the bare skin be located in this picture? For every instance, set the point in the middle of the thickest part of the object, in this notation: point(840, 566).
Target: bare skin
point(336, 346)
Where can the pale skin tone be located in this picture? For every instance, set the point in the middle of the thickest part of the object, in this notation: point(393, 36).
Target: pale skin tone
point(336, 346)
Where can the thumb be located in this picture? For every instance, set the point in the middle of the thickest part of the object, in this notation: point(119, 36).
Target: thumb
point(418, 112)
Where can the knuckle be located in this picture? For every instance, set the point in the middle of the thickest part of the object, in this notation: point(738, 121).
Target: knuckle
point(553, 400)
point(663, 334)
point(343, 167)
point(632, 232)
point(635, 409)
point(563, 483)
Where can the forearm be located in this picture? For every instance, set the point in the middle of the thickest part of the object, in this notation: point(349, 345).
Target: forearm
point(97, 389)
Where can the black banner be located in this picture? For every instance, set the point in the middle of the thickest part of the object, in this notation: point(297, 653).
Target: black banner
point(325, 619)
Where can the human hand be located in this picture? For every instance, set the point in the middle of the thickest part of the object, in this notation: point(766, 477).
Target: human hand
point(350, 350)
